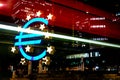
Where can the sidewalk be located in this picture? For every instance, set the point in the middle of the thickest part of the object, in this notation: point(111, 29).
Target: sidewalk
point(19, 79)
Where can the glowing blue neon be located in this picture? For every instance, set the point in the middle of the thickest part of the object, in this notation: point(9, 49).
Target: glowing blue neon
point(32, 57)
point(43, 54)
point(28, 42)
point(28, 36)
point(19, 43)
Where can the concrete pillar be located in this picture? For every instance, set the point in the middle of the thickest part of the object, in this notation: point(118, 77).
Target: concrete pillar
point(82, 64)
point(45, 69)
point(40, 68)
point(29, 67)
point(13, 74)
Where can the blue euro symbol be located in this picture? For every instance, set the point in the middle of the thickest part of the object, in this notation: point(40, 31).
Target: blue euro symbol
point(20, 43)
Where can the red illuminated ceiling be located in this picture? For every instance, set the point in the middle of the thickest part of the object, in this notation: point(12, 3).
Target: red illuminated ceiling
point(7, 6)
point(67, 13)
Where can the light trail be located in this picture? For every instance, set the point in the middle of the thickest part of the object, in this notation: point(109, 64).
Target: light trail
point(8, 27)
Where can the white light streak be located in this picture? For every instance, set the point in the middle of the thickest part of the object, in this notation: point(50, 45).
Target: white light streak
point(7, 27)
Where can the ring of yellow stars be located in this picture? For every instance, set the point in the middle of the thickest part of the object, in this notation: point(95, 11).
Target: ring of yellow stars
point(38, 13)
point(28, 17)
point(49, 16)
point(27, 48)
point(42, 26)
point(13, 49)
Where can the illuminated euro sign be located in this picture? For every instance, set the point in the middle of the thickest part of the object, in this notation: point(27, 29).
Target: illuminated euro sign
point(21, 43)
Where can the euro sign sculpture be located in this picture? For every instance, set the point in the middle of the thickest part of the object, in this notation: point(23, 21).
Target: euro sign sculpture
point(22, 43)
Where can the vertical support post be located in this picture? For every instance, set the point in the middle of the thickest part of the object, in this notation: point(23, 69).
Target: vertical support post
point(82, 64)
point(13, 74)
point(40, 68)
point(45, 69)
point(29, 67)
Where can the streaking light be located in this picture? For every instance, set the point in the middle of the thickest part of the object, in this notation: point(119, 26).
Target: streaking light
point(60, 36)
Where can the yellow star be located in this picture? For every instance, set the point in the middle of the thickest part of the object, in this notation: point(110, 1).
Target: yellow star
point(49, 16)
point(28, 17)
point(27, 48)
point(46, 60)
point(13, 49)
point(42, 26)
point(38, 13)
point(51, 49)
point(47, 35)
point(28, 30)
point(22, 61)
